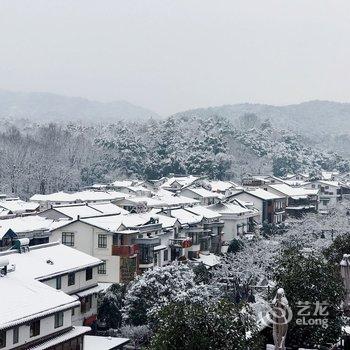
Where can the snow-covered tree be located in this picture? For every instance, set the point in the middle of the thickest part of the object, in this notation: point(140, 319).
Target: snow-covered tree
point(156, 288)
point(222, 325)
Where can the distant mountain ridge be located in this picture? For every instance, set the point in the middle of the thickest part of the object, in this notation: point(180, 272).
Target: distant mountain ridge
point(42, 106)
point(308, 117)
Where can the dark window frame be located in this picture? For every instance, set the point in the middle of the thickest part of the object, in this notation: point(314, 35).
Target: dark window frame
point(102, 269)
point(59, 318)
point(34, 329)
point(71, 279)
point(102, 241)
point(3, 339)
point(59, 282)
point(68, 239)
point(15, 337)
point(88, 274)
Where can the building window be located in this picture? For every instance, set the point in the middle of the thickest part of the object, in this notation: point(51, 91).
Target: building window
point(73, 311)
point(34, 328)
point(102, 269)
point(71, 279)
point(2, 339)
point(68, 239)
point(85, 304)
point(166, 255)
point(88, 274)
point(15, 335)
point(102, 241)
point(58, 282)
point(59, 319)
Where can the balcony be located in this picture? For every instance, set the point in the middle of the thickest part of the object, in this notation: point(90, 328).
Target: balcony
point(125, 250)
point(184, 242)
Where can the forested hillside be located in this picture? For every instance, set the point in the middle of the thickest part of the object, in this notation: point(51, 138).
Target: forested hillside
point(47, 107)
point(46, 158)
point(308, 118)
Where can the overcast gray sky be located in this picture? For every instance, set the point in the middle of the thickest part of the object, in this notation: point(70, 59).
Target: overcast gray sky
point(174, 55)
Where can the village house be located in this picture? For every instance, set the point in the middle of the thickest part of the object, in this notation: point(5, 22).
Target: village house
point(329, 194)
point(261, 180)
point(299, 201)
point(202, 195)
point(16, 207)
point(50, 290)
point(35, 228)
point(298, 177)
point(221, 187)
point(177, 183)
point(271, 207)
point(125, 243)
point(238, 220)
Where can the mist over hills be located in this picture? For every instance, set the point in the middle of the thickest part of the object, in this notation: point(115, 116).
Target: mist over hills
point(43, 106)
point(312, 117)
point(308, 118)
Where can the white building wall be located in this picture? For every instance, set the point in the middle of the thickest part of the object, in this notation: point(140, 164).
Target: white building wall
point(257, 202)
point(47, 327)
point(86, 240)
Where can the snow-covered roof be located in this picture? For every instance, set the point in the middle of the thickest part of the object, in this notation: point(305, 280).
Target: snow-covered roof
point(149, 201)
point(206, 212)
point(329, 183)
point(25, 224)
point(186, 217)
point(170, 200)
point(47, 260)
point(72, 333)
point(294, 191)
point(295, 183)
point(18, 206)
point(27, 298)
point(83, 196)
point(209, 260)
point(166, 221)
point(184, 181)
point(113, 223)
point(122, 183)
point(221, 186)
point(202, 192)
point(229, 208)
point(262, 194)
point(108, 208)
point(92, 342)
point(73, 211)
point(328, 175)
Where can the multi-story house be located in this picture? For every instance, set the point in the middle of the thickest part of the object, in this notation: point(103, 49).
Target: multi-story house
point(125, 243)
point(329, 194)
point(260, 180)
point(238, 220)
point(48, 292)
point(271, 207)
point(61, 268)
point(200, 232)
point(299, 201)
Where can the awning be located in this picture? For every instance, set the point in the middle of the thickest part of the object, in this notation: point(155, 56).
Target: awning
point(93, 290)
point(159, 247)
